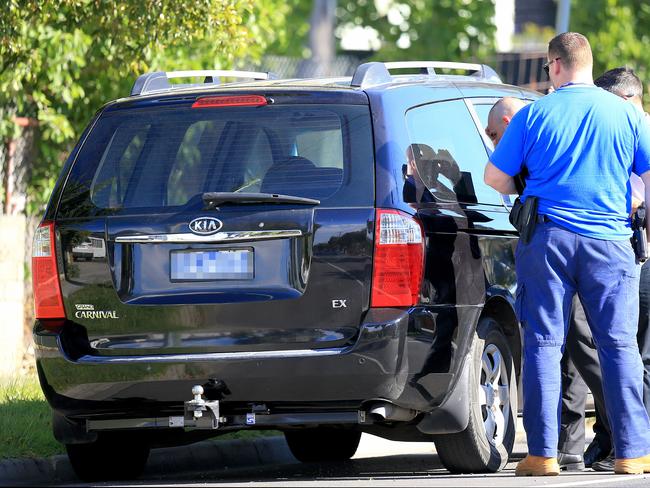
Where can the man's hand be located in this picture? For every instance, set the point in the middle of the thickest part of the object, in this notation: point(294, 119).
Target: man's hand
point(502, 182)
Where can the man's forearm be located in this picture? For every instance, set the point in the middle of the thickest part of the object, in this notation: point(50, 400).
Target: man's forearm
point(507, 187)
point(500, 181)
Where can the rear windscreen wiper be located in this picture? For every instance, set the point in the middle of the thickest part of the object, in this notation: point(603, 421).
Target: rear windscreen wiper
point(214, 199)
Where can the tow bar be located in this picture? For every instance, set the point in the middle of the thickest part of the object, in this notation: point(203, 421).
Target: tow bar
point(198, 414)
point(202, 414)
point(196, 408)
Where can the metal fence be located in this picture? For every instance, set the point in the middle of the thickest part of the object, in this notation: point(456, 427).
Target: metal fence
point(521, 69)
point(287, 67)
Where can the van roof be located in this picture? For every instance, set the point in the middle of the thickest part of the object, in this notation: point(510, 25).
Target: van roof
point(366, 75)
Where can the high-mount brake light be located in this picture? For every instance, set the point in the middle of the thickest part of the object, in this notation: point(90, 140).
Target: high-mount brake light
point(230, 101)
point(48, 301)
point(398, 264)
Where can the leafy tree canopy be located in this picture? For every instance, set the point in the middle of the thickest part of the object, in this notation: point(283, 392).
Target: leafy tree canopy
point(451, 30)
point(618, 31)
point(60, 60)
point(414, 29)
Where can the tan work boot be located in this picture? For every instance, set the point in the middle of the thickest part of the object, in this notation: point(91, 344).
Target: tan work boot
point(638, 465)
point(537, 466)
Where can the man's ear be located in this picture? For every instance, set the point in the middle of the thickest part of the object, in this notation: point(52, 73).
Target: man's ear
point(506, 120)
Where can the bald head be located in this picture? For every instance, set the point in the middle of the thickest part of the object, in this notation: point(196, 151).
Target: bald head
point(500, 116)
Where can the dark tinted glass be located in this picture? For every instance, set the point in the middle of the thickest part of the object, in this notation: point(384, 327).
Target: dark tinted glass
point(450, 155)
point(168, 157)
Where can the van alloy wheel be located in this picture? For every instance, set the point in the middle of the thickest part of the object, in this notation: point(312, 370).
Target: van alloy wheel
point(494, 394)
point(485, 445)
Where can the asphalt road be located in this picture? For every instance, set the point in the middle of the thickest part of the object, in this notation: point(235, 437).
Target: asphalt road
point(381, 463)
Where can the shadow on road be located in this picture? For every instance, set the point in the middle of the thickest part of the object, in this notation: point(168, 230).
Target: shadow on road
point(402, 467)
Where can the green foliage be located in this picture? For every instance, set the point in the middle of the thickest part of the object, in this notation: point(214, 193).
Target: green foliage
point(426, 29)
point(436, 29)
point(618, 31)
point(294, 40)
point(60, 60)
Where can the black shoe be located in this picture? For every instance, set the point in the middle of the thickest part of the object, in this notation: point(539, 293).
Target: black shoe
point(606, 464)
point(570, 462)
point(595, 452)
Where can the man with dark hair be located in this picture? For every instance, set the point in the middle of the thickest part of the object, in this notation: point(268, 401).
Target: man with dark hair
point(623, 82)
point(580, 353)
point(579, 145)
point(626, 84)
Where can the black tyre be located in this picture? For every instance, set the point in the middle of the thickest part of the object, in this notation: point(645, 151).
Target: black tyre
point(485, 445)
point(110, 458)
point(322, 444)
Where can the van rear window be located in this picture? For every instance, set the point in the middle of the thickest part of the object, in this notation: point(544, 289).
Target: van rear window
point(167, 157)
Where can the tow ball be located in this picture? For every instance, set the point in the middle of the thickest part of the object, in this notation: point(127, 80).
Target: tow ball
point(200, 413)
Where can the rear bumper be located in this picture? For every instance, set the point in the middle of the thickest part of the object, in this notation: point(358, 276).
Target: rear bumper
point(338, 379)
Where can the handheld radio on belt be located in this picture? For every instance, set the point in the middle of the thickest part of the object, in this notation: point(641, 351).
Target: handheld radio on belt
point(639, 235)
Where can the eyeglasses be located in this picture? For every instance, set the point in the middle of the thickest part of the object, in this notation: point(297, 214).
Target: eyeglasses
point(547, 65)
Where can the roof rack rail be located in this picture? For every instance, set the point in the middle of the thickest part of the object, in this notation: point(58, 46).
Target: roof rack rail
point(159, 80)
point(371, 74)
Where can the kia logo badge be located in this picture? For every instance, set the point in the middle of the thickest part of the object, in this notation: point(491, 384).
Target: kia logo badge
point(205, 226)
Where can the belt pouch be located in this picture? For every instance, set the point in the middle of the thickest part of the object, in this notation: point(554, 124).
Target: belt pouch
point(523, 216)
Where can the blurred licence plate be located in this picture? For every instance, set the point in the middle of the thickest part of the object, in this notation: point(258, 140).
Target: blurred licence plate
point(227, 264)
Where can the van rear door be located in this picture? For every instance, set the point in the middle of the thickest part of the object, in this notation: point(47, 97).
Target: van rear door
point(220, 227)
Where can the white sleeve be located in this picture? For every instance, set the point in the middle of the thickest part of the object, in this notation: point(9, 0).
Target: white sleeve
point(638, 188)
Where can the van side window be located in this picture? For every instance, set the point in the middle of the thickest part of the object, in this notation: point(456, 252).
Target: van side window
point(450, 156)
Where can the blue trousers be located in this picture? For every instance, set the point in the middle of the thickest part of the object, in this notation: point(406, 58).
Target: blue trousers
point(554, 266)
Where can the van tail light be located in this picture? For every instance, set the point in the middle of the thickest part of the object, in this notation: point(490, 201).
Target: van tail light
point(48, 301)
point(399, 260)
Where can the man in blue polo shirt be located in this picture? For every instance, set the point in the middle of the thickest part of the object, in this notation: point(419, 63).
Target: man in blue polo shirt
point(579, 145)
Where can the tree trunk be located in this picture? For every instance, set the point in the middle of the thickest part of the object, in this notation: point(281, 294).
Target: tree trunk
point(321, 40)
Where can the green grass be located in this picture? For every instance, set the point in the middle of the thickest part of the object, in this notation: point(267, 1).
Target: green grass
point(26, 423)
point(248, 434)
point(25, 420)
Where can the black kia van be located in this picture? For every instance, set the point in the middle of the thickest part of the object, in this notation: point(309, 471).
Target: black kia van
point(316, 256)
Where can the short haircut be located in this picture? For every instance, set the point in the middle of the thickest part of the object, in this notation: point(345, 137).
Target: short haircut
point(622, 82)
point(505, 106)
point(573, 49)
